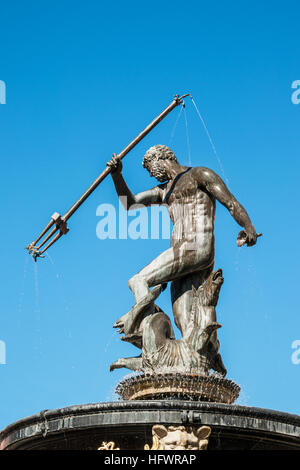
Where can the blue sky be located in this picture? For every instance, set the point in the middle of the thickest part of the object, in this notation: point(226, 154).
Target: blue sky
point(82, 79)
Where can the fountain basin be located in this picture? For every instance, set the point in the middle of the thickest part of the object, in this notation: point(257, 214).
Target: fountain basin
point(180, 386)
point(129, 424)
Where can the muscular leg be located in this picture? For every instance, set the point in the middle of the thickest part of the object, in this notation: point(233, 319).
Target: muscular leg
point(169, 265)
point(182, 296)
point(172, 264)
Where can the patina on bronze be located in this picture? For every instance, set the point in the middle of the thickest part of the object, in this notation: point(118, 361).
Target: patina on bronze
point(190, 196)
point(59, 223)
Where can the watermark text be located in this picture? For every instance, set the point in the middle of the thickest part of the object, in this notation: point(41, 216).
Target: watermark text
point(2, 92)
point(2, 352)
point(296, 94)
point(296, 354)
point(135, 224)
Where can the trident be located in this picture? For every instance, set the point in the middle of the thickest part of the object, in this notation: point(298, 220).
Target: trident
point(59, 223)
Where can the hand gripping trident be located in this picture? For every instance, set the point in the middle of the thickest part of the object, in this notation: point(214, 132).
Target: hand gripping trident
point(57, 223)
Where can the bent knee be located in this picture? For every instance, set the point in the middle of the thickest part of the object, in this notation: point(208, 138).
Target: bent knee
point(131, 282)
point(136, 280)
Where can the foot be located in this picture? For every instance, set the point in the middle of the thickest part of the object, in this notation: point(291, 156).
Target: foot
point(127, 323)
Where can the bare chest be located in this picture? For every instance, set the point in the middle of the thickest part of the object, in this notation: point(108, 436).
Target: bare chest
point(186, 191)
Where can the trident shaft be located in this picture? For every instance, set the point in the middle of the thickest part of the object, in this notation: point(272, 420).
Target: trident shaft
point(58, 225)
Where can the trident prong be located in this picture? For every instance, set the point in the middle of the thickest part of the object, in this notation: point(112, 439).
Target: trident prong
point(61, 222)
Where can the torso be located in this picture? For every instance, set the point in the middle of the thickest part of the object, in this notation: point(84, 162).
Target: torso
point(191, 209)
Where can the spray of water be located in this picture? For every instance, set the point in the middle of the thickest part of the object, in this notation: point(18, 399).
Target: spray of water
point(22, 290)
point(210, 141)
point(36, 290)
point(37, 304)
point(50, 258)
point(60, 277)
point(175, 126)
point(187, 138)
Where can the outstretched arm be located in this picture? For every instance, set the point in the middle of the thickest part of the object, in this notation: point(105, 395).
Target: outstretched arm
point(217, 188)
point(127, 198)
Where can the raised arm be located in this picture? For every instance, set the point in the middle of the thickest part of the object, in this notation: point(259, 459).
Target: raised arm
point(218, 189)
point(127, 198)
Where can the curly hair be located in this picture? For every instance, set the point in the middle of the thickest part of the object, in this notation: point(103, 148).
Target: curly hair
point(158, 152)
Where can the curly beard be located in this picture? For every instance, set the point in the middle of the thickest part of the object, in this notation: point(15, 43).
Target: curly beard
point(159, 173)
